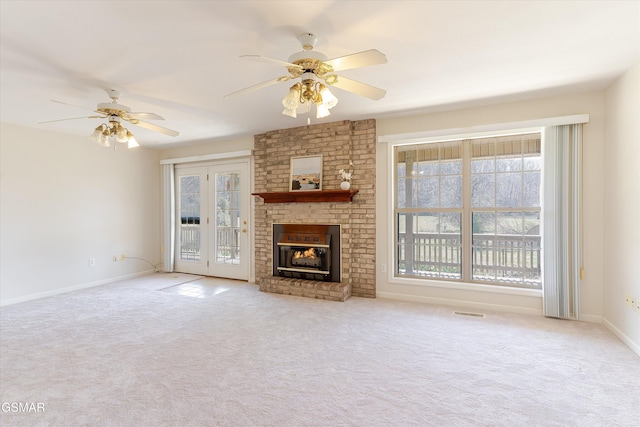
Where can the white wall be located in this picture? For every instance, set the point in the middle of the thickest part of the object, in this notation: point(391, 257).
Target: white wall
point(207, 149)
point(64, 200)
point(592, 288)
point(622, 206)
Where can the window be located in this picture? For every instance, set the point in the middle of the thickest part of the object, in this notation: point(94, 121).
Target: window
point(469, 210)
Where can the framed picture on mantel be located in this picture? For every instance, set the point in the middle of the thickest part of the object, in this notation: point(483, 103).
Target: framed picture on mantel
point(306, 173)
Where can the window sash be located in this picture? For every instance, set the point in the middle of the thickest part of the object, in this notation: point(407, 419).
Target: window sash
point(504, 249)
point(432, 247)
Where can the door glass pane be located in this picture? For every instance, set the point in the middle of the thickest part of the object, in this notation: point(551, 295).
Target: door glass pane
point(190, 218)
point(227, 249)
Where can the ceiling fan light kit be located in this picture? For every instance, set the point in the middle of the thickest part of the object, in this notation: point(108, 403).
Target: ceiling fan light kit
point(105, 134)
point(316, 72)
point(305, 93)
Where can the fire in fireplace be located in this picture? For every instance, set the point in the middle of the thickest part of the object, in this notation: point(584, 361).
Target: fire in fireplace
point(307, 251)
point(308, 258)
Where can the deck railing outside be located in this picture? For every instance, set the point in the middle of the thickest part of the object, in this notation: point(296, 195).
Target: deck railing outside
point(227, 244)
point(190, 242)
point(502, 258)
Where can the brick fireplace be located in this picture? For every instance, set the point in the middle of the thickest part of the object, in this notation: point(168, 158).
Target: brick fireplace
point(338, 142)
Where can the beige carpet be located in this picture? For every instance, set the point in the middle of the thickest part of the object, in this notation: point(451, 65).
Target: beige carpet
point(178, 350)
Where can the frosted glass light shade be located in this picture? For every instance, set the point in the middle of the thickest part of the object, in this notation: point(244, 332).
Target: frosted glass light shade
point(121, 134)
point(291, 112)
point(291, 101)
point(328, 98)
point(132, 141)
point(322, 111)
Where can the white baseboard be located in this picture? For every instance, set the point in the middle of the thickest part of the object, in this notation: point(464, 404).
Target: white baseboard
point(591, 318)
point(459, 303)
point(53, 292)
point(625, 339)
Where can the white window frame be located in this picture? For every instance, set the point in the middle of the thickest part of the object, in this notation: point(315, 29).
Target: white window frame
point(440, 135)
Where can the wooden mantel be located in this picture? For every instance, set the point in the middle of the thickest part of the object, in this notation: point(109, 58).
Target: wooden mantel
point(308, 196)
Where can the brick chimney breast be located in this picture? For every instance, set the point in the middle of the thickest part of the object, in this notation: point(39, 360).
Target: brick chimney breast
point(338, 143)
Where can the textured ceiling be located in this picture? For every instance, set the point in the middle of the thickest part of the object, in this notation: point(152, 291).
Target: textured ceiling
point(179, 58)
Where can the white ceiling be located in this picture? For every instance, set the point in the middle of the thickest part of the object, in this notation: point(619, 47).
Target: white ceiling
point(179, 58)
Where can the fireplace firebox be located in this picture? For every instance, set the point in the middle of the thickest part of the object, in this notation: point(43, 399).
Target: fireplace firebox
point(307, 251)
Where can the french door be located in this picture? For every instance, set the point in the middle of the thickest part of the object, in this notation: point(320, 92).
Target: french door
point(212, 230)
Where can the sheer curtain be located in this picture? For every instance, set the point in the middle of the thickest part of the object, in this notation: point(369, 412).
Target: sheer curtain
point(561, 238)
point(168, 208)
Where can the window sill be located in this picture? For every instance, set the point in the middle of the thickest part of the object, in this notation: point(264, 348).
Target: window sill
point(476, 287)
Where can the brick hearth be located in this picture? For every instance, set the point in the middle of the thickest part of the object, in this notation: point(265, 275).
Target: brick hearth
point(338, 142)
point(305, 288)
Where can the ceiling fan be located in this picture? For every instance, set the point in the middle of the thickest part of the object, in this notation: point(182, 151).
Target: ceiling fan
point(115, 113)
point(316, 72)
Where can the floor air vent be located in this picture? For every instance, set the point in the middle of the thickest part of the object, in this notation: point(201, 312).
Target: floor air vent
point(467, 313)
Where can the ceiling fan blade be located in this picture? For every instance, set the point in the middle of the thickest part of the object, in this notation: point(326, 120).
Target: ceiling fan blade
point(270, 60)
point(357, 60)
point(258, 86)
point(72, 105)
point(154, 128)
point(146, 116)
point(359, 88)
point(72, 118)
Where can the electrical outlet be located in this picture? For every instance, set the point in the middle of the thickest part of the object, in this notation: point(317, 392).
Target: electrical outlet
point(637, 306)
point(92, 262)
point(115, 258)
point(632, 303)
